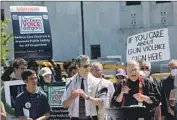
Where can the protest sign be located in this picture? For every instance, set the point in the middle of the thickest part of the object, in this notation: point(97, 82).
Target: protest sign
point(55, 93)
point(151, 46)
point(12, 89)
point(32, 33)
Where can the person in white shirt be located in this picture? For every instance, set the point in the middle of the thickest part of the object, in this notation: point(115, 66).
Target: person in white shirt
point(82, 93)
point(97, 71)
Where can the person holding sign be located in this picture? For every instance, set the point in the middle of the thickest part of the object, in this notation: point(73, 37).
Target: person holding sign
point(14, 72)
point(32, 104)
point(138, 91)
point(11, 74)
point(82, 93)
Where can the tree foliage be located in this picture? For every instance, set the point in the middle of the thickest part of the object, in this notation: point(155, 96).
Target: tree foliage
point(6, 38)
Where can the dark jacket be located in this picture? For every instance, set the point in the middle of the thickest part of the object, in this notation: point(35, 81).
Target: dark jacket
point(6, 74)
point(167, 86)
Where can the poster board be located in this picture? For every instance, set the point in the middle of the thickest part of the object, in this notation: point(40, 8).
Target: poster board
point(12, 89)
point(55, 93)
point(32, 33)
point(151, 46)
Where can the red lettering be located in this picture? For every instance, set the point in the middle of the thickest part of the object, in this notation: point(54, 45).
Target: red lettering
point(31, 24)
point(28, 9)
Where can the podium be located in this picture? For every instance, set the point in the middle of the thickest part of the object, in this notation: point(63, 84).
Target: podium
point(115, 114)
point(128, 113)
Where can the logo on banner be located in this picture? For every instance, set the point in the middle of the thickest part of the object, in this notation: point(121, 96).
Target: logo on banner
point(31, 24)
point(56, 94)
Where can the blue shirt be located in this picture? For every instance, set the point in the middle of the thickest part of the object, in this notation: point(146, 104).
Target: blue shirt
point(36, 103)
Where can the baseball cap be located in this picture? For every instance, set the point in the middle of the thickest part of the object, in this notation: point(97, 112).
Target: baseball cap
point(45, 71)
point(121, 72)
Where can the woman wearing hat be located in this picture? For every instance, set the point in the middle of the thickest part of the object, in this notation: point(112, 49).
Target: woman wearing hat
point(46, 78)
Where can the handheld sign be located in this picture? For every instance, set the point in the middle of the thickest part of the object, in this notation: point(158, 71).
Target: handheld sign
point(32, 33)
point(55, 93)
point(12, 89)
point(151, 46)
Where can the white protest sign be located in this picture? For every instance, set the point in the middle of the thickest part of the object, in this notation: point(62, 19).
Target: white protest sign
point(12, 89)
point(149, 46)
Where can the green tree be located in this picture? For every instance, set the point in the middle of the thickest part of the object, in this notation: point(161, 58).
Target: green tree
point(6, 38)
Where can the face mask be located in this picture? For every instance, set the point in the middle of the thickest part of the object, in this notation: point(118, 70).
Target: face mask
point(142, 73)
point(174, 72)
point(146, 73)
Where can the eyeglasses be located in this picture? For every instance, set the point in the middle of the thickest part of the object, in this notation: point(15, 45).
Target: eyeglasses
point(86, 66)
point(145, 68)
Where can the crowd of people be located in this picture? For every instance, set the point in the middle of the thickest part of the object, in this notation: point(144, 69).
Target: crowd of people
point(88, 94)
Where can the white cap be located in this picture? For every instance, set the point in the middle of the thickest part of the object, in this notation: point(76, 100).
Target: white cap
point(45, 71)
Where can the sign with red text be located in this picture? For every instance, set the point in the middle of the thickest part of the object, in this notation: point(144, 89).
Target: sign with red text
point(55, 95)
point(32, 33)
point(151, 46)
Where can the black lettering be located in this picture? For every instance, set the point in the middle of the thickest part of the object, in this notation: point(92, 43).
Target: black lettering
point(143, 43)
point(136, 37)
point(154, 47)
point(139, 57)
point(161, 33)
point(145, 36)
point(151, 35)
point(156, 34)
point(134, 51)
point(155, 56)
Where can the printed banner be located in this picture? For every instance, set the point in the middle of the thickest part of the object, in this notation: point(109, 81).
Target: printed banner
point(55, 93)
point(149, 46)
point(55, 96)
point(32, 33)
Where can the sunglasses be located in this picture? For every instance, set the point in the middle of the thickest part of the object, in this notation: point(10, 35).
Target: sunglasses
point(86, 66)
point(145, 68)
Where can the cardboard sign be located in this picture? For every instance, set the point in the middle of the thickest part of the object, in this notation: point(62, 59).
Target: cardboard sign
point(12, 89)
point(55, 93)
point(151, 46)
point(32, 33)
